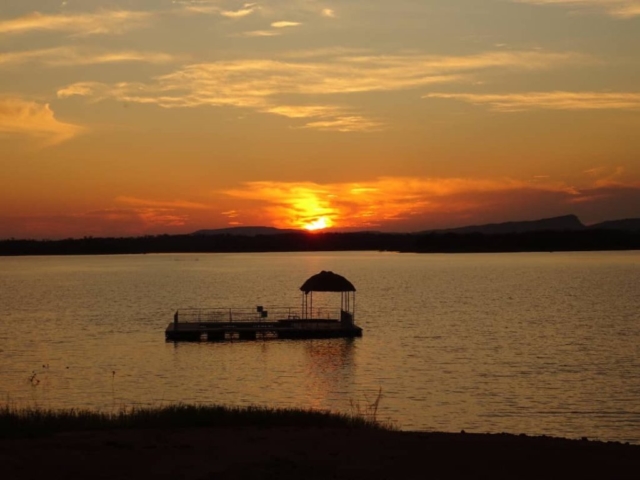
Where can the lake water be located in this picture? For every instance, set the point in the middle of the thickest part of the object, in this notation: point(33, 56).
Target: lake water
point(542, 343)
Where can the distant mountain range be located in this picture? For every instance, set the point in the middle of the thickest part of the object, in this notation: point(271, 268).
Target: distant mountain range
point(564, 223)
point(558, 224)
point(559, 234)
point(629, 224)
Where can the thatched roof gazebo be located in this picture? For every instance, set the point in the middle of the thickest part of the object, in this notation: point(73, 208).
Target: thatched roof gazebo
point(330, 282)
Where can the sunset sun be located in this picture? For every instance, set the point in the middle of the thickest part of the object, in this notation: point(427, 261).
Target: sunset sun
point(298, 120)
point(197, 183)
point(318, 224)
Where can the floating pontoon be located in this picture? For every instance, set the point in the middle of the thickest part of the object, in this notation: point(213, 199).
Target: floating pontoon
point(218, 324)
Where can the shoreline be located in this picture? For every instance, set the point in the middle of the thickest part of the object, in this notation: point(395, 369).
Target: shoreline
point(192, 442)
point(247, 452)
point(434, 242)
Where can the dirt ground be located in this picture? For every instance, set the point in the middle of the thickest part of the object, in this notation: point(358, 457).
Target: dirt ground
point(309, 453)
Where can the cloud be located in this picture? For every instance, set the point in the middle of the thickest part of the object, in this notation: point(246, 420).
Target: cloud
point(140, 218)
point(210, 83)
point(80, 89)
point(259, 84)
point(268, 9)
point(305, 111)
point(410, 204)
point(285, 24)
point(288, 204)
point(198, 6)
point(174, 204)
point(102, 22)
point(271, 33)
point(335, 118)
point(615, 8)
point(387, 200)
point(261, 33)
point(201, 9)
point(128, 216)
point(517, 102)
point(25, 118)
point(329, 52)
point(107, 222)
point(352, 123)
point(385, 203)
point(74, 56)
point(247, 9)
point(606, 176)
point(214, 8)
point(230, 214)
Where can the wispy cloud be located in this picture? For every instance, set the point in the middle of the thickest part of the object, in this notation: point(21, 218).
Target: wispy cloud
point(285, 24)
point(273, 32)
point(330, 118)
point(225, 81)
point(259, 84)
point(414, 203)
point(247, 9)
point(350, 123)
point(387, 203)
point(71, 56)
point(615, 8)
point(328, 12)
point(124, 216)
point(102, 22)
point(328, 52)
point(215, 8)
point(516, 102)
point(34, 120)
point(140, 219)
point(305, 111)
point(385, 200)
point(105, 222)
point(172, 204)
point(261, 33)
point(198, 6)
point(606, 176)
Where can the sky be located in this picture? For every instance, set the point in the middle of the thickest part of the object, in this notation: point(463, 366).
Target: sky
point(143, 117)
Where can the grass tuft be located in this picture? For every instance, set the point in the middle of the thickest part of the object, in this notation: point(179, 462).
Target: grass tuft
point(18, 422)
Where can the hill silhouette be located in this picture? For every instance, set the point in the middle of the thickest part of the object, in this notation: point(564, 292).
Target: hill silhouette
point(559, 224)
point(628, 224)
point(564, 233)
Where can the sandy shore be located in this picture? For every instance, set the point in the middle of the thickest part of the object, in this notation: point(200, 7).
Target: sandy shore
point(309, 453)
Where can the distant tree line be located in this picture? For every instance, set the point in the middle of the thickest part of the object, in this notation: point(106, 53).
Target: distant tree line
point(305, 242)
point(543, 241)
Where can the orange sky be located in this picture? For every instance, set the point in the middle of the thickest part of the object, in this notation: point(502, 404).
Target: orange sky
point(157, 116)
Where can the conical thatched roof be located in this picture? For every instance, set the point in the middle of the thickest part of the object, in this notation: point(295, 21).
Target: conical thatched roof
point(327, 282)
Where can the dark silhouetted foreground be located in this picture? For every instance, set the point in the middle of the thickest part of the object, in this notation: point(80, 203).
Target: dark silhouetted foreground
point(210, 442)
point(436, 242)
point(309, 453)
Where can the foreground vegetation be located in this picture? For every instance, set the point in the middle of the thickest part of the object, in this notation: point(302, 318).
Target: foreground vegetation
point(15, 421)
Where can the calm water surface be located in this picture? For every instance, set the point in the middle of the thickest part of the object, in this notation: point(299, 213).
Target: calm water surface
point(534, 343)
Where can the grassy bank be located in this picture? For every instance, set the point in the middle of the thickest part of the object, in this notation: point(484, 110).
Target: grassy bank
point(16, 422)
point(121, 446)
